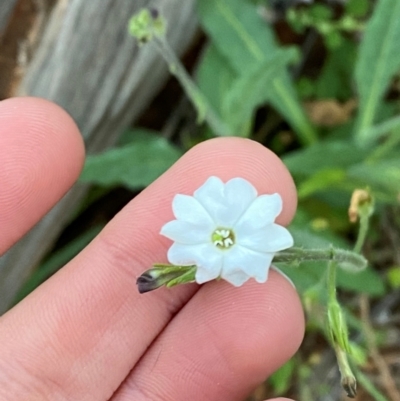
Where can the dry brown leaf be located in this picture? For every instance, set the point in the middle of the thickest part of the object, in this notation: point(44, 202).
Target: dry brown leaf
point(329, 112)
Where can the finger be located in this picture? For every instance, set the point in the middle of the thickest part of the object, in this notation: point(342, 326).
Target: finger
point(221, 345)
point(41, 155)
point(92, 317)
point(280, 399)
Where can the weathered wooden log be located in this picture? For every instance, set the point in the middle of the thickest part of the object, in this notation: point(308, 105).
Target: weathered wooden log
point(6, 7)
point(87, 63)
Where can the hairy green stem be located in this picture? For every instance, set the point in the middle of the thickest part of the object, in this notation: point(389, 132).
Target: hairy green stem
point(332, 281)
point(347, 260)
point(199, 101)
point(362, 232)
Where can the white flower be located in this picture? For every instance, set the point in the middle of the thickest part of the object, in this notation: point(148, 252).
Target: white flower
point(227, 231)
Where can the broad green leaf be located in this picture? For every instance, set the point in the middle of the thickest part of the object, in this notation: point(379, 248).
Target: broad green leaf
point(250, 91)
point(320, 12)
point(215, 77)
point(57, 260)
point(393, 276)
point(245, 39)
point(324, 155)
point(383, 175)
point(358, 8)
point(309, 274)
point(322, 179)
point(238, 31)
point(378, 62)
point(386, 127)
point(368, 282)
point(334, 81)
point(305, 276)
point(281, 380)
point(135, 165)
point(307, 236)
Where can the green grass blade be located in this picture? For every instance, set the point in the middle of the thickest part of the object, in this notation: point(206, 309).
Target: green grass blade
point(378, 62)
point(245, 39)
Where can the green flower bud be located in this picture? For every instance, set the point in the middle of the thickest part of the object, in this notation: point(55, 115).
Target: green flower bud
point(163, 274)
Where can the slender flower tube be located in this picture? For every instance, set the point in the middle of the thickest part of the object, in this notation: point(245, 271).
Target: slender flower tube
point(227, 231)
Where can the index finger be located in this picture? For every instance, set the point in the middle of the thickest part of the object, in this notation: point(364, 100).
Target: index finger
point(41, 155)
point(93, 319)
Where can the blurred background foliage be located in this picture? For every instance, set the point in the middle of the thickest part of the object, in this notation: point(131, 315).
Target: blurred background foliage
point(317, 83)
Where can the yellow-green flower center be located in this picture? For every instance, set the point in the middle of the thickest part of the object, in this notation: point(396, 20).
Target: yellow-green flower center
point(223, 238)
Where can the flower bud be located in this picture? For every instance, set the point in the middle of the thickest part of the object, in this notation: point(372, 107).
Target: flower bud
point(167, 275)
point(145, 24)
point(349, 385)
point(361, 204)
point(337, 326)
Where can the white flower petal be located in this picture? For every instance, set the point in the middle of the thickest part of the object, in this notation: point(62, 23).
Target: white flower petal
point(239, 194)
point(204, 256)
point(261, 212)
point(238, 215)
point(254, 264)
point(236, 277)
point(204, 275)
point(225, 203)
point(272, 238)
point(211, 196)
point(187, 208)
point(185, 233)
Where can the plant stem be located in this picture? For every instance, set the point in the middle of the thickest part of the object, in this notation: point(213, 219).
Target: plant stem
point(362, 232)
point(347, 260)
point(348, 380)
point(201, 104)
point(332, 281)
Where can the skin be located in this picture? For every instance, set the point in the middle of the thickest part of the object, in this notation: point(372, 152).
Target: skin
point(87, 334)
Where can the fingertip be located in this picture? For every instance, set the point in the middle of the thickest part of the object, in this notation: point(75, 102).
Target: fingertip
point(269, 316)
point(235, 337)
point(279, 399)
point(33, 115)
point(41, 155)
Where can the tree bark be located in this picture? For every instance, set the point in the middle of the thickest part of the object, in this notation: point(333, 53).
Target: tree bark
point(6, 8)
point(87, 63)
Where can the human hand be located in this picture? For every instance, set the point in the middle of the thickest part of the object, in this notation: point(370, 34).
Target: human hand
point(87, 334)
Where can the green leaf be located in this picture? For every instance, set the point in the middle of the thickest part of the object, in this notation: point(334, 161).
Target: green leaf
point(215, 85)
point(238, 31)
point(251, 91)
point(281, 380)
point(334, 82)
point(320, 12)
point(393, 276)
point(378, 62)
point(57, 260)
point(309, 274)
point(135, 165)
point(245, 39)
point(383, 175)
point(324, 155)
point(307, 236)
point(368, 282)
point(322, 179)
point(386, 127)
point(357, 8)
